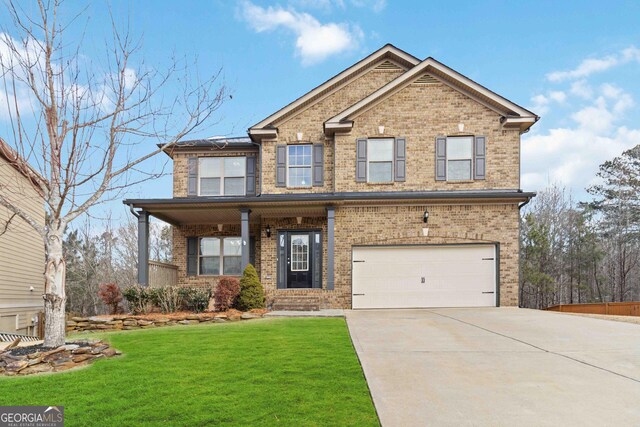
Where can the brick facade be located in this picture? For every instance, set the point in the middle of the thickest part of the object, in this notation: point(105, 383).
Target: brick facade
point(420, 112)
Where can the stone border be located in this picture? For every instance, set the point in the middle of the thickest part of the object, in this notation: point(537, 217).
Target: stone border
point(130, 322)
point(71, 355)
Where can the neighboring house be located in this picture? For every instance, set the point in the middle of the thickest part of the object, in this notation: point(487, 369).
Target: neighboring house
point(395, 183)
point(21, 248)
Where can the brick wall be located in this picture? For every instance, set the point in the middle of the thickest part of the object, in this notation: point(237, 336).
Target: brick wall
point(420, 112)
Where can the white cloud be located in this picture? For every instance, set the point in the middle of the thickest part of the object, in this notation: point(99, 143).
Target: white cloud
point(571, 155)
point(314, 41)
point(541, 103)
point(581, 89)
point(595, 65)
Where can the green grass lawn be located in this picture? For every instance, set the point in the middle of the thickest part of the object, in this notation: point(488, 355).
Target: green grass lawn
point(264, 372)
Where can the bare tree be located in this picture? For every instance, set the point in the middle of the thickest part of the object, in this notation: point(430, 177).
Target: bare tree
point(80, 125)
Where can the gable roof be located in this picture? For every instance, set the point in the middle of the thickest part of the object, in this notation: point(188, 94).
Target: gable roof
point(13, 158)
point(513, 114)
point(266, 126)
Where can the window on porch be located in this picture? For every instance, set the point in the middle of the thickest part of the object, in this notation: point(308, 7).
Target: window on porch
point(218, 255)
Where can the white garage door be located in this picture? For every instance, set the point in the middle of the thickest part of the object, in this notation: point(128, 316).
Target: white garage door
point(424, 276)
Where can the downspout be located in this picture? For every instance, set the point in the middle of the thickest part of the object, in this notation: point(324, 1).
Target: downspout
point(259, 145)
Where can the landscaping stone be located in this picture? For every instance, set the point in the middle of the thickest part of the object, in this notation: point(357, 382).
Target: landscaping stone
point(247, 316)
point(80, 319)
point(16, 366)
point(70, 347)
point(130, 322)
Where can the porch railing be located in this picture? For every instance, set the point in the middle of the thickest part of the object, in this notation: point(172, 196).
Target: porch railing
point(162, 274)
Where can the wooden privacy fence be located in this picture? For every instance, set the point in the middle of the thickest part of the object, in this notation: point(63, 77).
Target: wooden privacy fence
point(162, 274)
point(612, 308)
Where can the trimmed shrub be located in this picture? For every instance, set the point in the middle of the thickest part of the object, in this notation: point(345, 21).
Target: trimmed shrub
point(251, 291)
point(195, 299)
point(111, 296)
point(167, 298)
point(226, 293)
point(139, 298)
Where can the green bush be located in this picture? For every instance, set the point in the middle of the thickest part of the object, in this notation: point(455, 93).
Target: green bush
point(251, 291)
point(195, 299)
point(139, 298)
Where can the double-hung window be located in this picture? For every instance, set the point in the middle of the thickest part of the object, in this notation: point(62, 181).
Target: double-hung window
point(459, 158)
point(299, 165)
point(380, 160)
point(222, 176)
point(220, 256)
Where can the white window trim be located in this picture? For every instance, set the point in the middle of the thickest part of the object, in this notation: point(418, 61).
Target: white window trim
point(222, 176)
point(221, 256)
point(310, 167)
point(307, 254)
point(472, 159)
point(393, 148)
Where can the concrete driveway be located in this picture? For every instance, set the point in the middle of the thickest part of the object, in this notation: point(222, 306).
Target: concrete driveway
point(498, 367)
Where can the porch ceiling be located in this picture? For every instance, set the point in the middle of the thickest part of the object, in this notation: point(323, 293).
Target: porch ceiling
point(226, 210)
point(216, 215)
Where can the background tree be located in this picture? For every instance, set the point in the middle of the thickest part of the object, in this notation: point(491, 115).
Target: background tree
point(81, 125)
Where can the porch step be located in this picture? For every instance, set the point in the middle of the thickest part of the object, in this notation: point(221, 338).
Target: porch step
point(295, 303)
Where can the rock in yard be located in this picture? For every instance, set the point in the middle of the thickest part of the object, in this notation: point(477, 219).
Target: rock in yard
point(247, 316)
point(80, 319)
point(109, 352)
point(144, 323)
point(81, 357)
point(99, 349)
point(16, 366)
point(36, 369)
point(131, 322)
point(68, 347)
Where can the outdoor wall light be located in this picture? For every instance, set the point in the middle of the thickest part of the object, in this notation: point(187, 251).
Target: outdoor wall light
point(268, 231)
point(425, 217)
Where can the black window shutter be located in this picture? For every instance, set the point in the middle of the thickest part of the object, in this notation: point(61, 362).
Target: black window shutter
point(317, 260)
point(480, 161)
point(281, 165)
point(400, 160)
point(192, 182)
point(252, 250)
point(281, 250)
point(441, 159)
point(361, 160)
point(251, 176)
point(192, 256)
point(318, 165)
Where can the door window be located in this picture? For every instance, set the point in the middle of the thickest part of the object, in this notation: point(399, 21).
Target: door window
point(300, 252)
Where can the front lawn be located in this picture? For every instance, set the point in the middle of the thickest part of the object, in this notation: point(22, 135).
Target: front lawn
point(261, 372)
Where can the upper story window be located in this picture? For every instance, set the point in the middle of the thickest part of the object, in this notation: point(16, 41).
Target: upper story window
point(459, 158)
point(299, 163)
point(220, 256)
point(221, 176)
point(380, 160)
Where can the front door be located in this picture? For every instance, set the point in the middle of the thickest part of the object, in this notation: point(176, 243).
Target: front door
point(299, 259)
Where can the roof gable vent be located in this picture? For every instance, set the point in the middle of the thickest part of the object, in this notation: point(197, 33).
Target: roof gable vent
point(426, 79)
point(388, 65)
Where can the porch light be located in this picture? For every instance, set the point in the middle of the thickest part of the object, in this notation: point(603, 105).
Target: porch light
point(461, 127)
point(381, 130)
point(425, 217)
point(268, 231)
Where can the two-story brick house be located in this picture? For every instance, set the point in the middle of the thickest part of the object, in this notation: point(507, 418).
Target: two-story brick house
point(395, 183)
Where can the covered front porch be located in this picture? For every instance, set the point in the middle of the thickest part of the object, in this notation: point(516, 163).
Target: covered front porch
point(290, 245)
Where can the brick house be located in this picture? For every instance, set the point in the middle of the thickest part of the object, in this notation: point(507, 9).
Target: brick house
point(395, 183)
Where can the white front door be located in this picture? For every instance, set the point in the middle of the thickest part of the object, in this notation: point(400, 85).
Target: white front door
point(424, 276)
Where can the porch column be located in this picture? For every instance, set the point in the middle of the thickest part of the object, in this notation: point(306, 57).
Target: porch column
point(143, 248)
point(244, 235)
point(330, 246)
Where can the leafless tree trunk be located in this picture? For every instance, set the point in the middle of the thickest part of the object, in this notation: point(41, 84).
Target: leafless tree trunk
point(76, 128)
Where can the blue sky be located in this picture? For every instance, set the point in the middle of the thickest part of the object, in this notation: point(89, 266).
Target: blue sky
point(574, 63)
